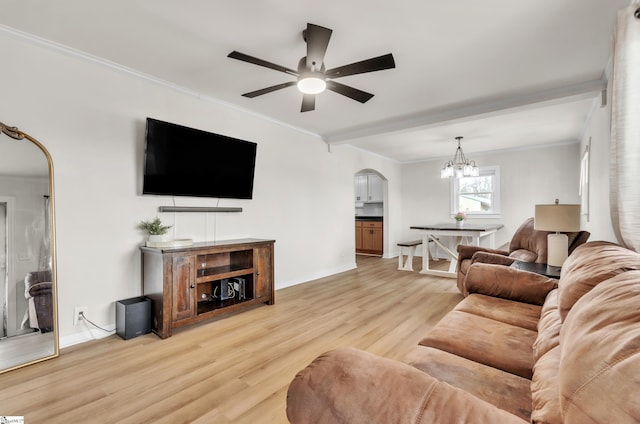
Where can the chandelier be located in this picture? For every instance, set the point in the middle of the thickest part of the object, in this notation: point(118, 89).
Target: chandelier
point(459, 166)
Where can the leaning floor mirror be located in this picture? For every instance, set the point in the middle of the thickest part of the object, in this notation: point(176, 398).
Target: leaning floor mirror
point(28, 301)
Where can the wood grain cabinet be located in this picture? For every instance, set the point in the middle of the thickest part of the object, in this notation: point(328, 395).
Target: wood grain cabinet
point(198, 282)
point(358, 236)
point(182, 287)
point(369, 237)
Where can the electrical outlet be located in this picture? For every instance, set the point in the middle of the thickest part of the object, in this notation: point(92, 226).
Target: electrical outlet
point(76, 313)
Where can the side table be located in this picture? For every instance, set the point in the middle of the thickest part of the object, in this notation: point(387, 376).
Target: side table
point(543, 269)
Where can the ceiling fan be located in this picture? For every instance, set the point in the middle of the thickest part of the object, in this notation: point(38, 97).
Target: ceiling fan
point(312, 77)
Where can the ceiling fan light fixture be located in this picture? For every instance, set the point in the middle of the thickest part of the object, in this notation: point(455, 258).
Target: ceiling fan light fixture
point(311, 74)
point(311, 83)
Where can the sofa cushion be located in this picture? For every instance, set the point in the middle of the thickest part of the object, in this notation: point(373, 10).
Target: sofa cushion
point(520, 314)
point(545, 389)
point(508, 283)
point(600, 363)
point(487, 341)
point(548, 327)
point(590, 264)
point(352, 386)
point(502, 389)
point(524, 255)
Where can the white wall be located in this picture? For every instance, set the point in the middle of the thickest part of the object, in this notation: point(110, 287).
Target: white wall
point(91, 119)
point(527, 177)
point(598, 134)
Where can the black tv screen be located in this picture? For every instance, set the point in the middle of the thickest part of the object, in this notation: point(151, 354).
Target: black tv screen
point(182, 161)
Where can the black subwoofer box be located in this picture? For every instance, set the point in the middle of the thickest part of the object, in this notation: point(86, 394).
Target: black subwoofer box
point(133, 317)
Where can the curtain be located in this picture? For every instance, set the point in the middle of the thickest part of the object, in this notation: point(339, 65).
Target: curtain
point(625, 128)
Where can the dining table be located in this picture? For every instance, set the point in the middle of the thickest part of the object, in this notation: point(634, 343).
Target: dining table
point(467, 233)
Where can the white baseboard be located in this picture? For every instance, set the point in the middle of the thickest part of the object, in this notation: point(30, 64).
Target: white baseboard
point(316, 276)
point(88, 332)
point(85, 335)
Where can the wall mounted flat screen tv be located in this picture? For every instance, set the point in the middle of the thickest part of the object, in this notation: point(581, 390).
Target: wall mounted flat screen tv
point(182, 161)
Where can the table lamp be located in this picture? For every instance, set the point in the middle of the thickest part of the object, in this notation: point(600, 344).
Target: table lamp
point(558, 218)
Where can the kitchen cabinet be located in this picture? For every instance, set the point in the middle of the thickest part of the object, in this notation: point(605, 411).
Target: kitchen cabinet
point(360, 188)
point(369, 237)
point(368, 188)
point(374, 188)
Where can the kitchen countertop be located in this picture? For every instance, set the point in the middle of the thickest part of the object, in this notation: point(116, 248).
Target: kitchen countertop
point(368, 218)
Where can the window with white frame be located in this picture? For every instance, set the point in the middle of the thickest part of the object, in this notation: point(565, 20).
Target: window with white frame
point(477, 197)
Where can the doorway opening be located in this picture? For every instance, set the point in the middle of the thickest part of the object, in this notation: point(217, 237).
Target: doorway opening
point(371, 206)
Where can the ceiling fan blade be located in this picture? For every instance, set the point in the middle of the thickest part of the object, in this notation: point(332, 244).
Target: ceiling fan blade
point(379, 63)
point(256, 93)
point(308, 102)
point(317, 38)
point(345, 90)
point(246, 58)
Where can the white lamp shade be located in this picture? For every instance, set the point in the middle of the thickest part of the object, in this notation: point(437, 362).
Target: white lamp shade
point(559, 218)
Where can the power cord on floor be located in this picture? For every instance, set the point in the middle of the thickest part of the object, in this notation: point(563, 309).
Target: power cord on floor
point(84, 318)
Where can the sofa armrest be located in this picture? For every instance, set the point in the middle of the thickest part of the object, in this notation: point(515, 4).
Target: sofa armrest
point(352, 386)
point(492, 258)
point(40, 289)
point(508, 283)
point(466, 251)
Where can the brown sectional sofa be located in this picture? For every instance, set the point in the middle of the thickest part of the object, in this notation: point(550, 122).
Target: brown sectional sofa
point(521, 347)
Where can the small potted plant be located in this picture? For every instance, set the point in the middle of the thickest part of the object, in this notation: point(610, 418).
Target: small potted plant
point(157, 232)
point(460, 217)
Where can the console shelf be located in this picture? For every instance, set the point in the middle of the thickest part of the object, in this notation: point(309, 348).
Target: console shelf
point(217, 273)
point(208, 307)
point(204, 280)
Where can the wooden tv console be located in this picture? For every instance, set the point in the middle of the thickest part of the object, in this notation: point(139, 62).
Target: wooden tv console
point(194, 283)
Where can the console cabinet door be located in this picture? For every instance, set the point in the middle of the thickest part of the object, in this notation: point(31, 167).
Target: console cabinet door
point(262, 262)
point(184, 292)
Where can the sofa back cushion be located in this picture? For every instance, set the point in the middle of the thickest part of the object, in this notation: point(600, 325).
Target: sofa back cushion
point(600, 354)
point(549, 326)
point(545, 389)
point(589, 265)
point(528, 244)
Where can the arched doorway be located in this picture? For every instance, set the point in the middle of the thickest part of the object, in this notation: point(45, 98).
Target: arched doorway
point(371, 206)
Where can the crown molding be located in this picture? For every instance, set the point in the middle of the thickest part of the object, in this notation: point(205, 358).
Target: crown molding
point(69, 51)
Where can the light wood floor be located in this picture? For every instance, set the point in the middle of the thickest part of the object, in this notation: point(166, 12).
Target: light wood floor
point(236, 369)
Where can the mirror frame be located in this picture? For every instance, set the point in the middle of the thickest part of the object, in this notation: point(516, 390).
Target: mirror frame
point(16, 134)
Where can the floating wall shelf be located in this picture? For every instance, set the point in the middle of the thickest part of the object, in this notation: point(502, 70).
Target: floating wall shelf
point(196, 209)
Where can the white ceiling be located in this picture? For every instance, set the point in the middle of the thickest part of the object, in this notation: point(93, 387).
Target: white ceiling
point(502, 73)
